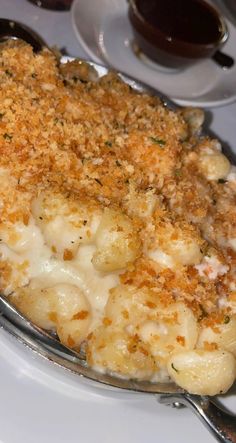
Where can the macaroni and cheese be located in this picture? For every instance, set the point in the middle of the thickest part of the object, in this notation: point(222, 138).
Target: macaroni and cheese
point(117, 223)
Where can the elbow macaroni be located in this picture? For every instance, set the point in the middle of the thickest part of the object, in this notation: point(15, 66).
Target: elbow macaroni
point(117, 224)
point(215, 166)
point(222, 336)
point(65, 224)
point(116, 241)
point(62, 307)
point(203, 372)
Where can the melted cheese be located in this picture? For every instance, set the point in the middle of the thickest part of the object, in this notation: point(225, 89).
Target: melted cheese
point(33, 263)
point(211, 267)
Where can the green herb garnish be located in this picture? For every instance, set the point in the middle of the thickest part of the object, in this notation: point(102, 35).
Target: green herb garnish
point(178, 172)
point(98, 181)
point(173, 367)
point(158, 141)
point(222, 180)
point(9, 73)
point(108, 143)
point(7, 136)
point(226, 319)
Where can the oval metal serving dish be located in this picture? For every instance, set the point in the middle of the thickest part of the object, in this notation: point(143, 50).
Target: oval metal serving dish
point(218, 421)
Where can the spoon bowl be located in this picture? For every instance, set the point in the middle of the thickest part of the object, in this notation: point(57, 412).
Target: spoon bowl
point(13, 30)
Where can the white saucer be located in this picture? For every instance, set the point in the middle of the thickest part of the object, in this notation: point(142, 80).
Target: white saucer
point(103, 29)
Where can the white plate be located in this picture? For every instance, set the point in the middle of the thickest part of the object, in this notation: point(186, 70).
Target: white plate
point(229, 9)
point(103, 29)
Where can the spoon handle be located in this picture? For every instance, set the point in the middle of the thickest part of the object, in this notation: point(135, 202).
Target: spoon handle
point(218, 421)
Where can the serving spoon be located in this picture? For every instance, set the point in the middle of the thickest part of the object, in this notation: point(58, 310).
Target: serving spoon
point(219, 422)
point(10, 29)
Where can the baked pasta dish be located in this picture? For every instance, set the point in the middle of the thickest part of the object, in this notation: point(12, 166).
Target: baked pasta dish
point(117, 223)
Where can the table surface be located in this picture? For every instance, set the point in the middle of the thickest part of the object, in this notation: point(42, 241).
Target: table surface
point(47, 406)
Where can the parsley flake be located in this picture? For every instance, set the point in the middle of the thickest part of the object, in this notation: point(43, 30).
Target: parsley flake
point(7, 136)
point(173, 367)
point(108, 143)
point(98, 181)
point(178, 172)
point(158, 141)
point(9, 73)
point(226, 319)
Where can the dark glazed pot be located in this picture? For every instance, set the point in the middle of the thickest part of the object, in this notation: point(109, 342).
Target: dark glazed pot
point(169, 50)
